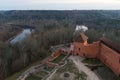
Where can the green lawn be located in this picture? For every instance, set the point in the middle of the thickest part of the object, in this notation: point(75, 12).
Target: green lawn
point(48, 68)
point(32, 77)
point(42, 73)
point(59, 58)
point(71, 68)
point(91, 61)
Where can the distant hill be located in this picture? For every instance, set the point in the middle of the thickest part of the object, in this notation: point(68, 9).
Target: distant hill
point(52, 14)
point(115, 14)
point(91, 18)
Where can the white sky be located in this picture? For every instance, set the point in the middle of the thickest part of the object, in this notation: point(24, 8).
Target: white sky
point(58, 4)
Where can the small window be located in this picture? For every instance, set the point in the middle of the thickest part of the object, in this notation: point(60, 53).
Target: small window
point(77, 54)
point(84, 54)
point(79, 49)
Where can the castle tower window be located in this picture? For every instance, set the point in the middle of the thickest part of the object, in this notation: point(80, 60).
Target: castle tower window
point(77, 54)
point(79, 49)
point(84, 54)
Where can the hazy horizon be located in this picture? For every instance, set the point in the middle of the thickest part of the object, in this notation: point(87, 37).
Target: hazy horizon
point(60, 5)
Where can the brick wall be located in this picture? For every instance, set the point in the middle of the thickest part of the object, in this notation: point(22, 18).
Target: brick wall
point(110, 58)
point(89, 51)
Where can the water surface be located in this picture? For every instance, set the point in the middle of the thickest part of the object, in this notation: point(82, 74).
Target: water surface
point(21, 36)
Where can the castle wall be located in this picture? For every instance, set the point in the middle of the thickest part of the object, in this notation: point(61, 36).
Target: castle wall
point(110, 58)
point(99, 50)
point(89, 51)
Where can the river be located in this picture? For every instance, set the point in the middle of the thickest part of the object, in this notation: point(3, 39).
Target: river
point(21, 36)
point(28, 31)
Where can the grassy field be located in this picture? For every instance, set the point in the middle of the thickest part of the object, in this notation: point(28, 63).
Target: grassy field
point(91, 61)
point(72, 70)
point(59, 58)
point(48, 68)
point(32, 77)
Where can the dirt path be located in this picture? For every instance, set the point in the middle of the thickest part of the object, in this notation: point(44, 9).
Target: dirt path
point(77, 60)
point(54, 71)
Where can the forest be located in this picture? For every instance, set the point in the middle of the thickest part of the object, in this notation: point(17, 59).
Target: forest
point(50, 28)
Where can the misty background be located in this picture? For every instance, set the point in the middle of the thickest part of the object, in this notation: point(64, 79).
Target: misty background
point(59, 4)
